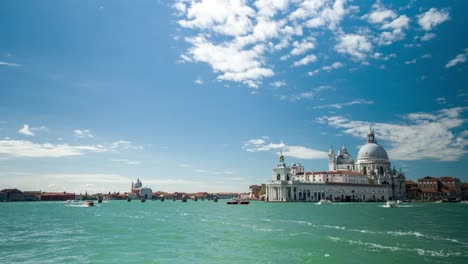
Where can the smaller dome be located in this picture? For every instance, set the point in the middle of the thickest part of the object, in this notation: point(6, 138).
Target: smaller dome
point(344, 159)
point(137, 184)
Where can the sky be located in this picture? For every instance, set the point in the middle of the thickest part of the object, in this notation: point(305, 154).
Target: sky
point(203, 95)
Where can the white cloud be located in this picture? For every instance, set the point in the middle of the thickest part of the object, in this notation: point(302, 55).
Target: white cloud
point(299, 152)
point(303, 46)
point(9, 64)
point(26, 131)
point(426, 56)
point(224, 17)
point(327, 68)
point(432, 18)
point(278, 84)
point(22, 148)
point(460, 58)
point(419, 136)
point(428, 36)
point(82, 133)
point(126, 161)
point(441, 100)
point(199, 81)
point(306, 95)
point(124, 144)
point(339, 106)
point(413, 61)
point(306, 60)
point(357, 46)
point(379, 14)
point(234, 63)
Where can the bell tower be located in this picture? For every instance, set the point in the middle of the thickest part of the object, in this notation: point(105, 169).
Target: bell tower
point(331, 160)
point(281, 172)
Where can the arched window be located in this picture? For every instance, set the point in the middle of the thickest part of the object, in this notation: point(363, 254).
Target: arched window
point(278, 177)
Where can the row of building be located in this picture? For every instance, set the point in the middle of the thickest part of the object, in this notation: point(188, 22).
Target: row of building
point(437, 188)
point(15, 195)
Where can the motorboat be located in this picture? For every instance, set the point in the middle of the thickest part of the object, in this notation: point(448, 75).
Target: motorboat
point(238, 202)
point(99, 200)
point(390, 204)
point(323, 201)
point(128, 199)
point(89, 203)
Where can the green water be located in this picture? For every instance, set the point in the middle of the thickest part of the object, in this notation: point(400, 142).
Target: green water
point(208, 232)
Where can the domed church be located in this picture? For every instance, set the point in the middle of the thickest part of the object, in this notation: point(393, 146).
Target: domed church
point(372, 161)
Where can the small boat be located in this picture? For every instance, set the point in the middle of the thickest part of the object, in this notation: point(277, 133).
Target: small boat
point(99, 200)
point(195, 199)
point(215, 199)
point(464, 202)
point(162, 199)
point(143, 200)
point(128, 199)
point(390, 204)
point(238, 200)
point(89, 203)
point(439, 201)
point(323, 201)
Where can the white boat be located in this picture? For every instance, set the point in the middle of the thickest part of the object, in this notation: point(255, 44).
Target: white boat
point(323, 201)
point(390, 204)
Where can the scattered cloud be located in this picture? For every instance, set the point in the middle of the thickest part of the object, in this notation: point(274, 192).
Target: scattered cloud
point(428, 36)
point(28, 149)
point(126, 161)
point(199, 81)
point(441, 100)
point(9, 64)
point(339, 106)
point(426, 56)
point(26, 131)
point(413, 61)
point(185, 165)
point(306, 95)
point(29, 131)
point(327, 68)
point(306, 60)
point(433, 18)
point(418, 136)
point(278, 84)
point(358, 46)
point(82, 133)
point(300, 152)
point(460, 58)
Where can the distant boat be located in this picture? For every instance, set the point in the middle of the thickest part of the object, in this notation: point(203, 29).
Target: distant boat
point(323, 201)
point(99, 200)
point(89, 203)
point(238, 202)
point(439, 201)
point(143, 200)
point(215, 199)
point(464, 202)
point(390, 204)
point(128, 199)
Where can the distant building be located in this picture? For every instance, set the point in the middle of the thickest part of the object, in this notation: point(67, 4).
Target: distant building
point(138, 191)
point(11, 195)
point(56, 196)
point(412, 190)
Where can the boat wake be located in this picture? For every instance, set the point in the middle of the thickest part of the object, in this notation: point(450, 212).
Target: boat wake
point(379, 247)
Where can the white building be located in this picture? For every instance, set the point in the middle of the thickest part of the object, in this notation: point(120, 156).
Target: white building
point(138, 191)
point(371, 179)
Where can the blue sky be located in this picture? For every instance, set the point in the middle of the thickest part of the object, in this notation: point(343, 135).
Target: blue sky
point(202, 95)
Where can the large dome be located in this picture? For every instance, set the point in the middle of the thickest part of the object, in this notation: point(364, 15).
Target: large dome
point(372, 151)
point(344, 159)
